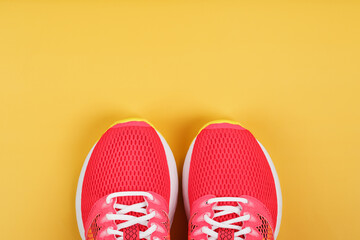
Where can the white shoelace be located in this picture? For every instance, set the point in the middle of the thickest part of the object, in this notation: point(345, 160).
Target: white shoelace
point(225, 210)
point(130, 220)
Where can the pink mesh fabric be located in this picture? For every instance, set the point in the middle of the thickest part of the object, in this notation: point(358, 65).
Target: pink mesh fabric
point(227, 161)
point(128, 157)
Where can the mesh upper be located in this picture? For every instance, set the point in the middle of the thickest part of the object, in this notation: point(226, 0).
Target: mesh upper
point(128, 157)
point(227, 161)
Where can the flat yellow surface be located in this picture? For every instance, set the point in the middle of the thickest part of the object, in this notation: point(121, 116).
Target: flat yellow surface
point(289, 72)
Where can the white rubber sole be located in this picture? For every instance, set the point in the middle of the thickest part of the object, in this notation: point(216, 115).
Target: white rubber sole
point(173, 184)
point(185, 184)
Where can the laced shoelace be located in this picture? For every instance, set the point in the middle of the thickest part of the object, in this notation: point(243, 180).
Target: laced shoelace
point(229, 224)
point(129, 220)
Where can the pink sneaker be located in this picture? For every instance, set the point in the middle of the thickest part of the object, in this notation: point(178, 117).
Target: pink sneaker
point(230, 186)
point(128, 185)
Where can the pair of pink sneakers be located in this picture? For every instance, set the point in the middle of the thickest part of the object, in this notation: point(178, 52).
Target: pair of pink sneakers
point(128, 185)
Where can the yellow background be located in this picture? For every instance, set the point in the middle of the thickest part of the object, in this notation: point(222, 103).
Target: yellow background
point(287, 71)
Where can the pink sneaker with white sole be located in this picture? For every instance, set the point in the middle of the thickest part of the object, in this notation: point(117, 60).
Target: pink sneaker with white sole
point(128, 185)
point(230, 186)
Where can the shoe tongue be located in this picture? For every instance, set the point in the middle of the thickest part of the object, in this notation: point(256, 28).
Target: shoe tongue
point(225, 233)
point(228, 216)
point(132, 232)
